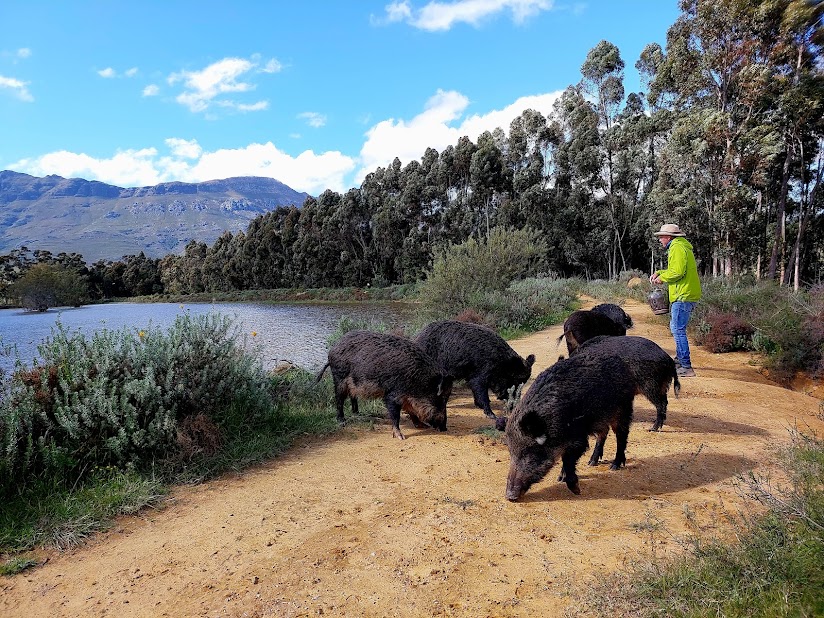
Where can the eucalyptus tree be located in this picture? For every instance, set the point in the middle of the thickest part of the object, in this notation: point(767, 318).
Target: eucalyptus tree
point(490, 181)
point(382, 195)
point(217, 273)
point(316, 250)
point(191, 267)
point(716, 76)
point(351, 225)
point(47, 285)
point(141, 276)
point(792, 36)
point(583, 228)
point(603, 80)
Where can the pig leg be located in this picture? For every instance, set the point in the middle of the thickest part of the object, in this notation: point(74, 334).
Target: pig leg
point(354, 402)
point(340, 397)
point(393, 409)
point(661, 411)
point(571, 455)
point(621, 429)
point(480, 393)
point(598, 451)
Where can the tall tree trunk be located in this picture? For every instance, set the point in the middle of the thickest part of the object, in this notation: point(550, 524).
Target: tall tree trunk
point(778, 239)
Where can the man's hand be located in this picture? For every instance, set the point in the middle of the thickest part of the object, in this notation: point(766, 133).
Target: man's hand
point(654, 278)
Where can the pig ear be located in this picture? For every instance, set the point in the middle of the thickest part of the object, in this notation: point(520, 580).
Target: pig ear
point(533, 426)
point(530, 360)
point(444, 385)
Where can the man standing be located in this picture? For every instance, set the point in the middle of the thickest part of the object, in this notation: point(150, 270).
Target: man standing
point(684, 287)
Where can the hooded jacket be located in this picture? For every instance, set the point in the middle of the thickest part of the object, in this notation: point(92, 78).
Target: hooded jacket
point(681, 275)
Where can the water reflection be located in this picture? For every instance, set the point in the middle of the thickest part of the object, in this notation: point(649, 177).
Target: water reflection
point(294, 333)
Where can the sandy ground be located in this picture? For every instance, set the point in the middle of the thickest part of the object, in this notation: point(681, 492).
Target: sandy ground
point(365, 525)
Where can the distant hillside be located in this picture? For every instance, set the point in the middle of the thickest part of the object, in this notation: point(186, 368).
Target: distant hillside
point(105, 221)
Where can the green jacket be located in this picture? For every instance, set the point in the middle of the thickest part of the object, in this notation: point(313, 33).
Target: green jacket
point(681, 275)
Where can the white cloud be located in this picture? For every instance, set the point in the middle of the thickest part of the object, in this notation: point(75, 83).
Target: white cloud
point(209, 86)
point(313, 119)
point(110, 73)
point(151, 90)
point(272, 66)
point(308, 171)
point(436, 16)
point(398, 11)
point(186, 149)
point(17, 87)
point(23, 52)
point(251, 107)
point(442, 123)
point(435, 128)
point(126, 168)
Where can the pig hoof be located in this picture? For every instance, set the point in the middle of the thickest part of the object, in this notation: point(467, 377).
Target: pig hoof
point(574, 488)
point(593, 462)
point(616, 466)
point(397, 434)
point(500, 423)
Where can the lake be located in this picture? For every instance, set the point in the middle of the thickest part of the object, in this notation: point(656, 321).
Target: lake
point(294, 333)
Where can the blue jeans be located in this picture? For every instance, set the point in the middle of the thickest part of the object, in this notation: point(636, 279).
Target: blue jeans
point(681, 311)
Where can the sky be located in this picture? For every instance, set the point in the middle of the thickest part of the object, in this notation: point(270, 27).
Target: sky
point(315, 93)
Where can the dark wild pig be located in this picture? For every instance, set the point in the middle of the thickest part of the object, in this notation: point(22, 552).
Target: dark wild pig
point(477, 354)
point(604, 319)
point(575, 398)
point(615, 313)
point(652, 368)
point(377, 365)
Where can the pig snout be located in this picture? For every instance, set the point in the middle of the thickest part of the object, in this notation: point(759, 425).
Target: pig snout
point(514, 486)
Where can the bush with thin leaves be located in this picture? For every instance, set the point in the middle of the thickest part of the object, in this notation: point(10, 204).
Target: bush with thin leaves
point(462, 273)
point(117, 397)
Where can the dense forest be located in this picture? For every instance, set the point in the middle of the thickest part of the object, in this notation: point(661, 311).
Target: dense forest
point(725, 140)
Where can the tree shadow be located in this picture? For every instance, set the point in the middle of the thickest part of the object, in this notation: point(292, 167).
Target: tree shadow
point(651, 476)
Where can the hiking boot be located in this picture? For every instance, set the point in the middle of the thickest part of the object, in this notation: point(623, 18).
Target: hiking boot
point(685, 372)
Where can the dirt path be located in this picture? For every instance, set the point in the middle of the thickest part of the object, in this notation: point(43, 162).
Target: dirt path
point(364, 525)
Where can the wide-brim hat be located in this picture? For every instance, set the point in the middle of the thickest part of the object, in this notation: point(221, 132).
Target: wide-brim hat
point(670, 229)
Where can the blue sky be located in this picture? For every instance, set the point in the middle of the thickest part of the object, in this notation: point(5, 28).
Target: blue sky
point(315, 93)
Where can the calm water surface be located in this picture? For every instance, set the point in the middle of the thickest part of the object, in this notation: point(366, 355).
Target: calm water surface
point(295, 333)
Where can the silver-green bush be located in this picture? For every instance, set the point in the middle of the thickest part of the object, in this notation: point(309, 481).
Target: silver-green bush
point(462, 272)
point(116, 397)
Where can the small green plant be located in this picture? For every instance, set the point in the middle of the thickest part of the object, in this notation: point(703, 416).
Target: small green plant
point(774, 568)
point(16, 564)
point(463, 504)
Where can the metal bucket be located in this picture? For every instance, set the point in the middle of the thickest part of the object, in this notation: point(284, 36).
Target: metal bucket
point(658, 300)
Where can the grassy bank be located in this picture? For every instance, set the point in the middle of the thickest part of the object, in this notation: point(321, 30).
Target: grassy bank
point(772, 569)
point(406, 292)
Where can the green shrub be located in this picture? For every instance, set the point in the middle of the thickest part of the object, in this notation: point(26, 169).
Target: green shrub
point(117, 397)
point(461, 273)
point(529, 304)
point(724, 332)
point(789, 326)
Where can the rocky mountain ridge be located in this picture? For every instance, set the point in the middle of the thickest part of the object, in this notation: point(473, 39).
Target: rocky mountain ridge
point(102, 221)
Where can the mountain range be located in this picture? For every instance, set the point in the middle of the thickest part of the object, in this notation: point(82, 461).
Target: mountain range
point(102, 221)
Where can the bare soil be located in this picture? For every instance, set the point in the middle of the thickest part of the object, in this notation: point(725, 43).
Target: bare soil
point(361, 524)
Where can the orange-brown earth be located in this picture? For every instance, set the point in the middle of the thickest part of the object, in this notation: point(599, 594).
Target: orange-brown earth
point(360, 524)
